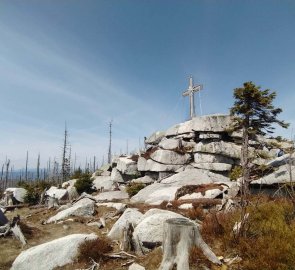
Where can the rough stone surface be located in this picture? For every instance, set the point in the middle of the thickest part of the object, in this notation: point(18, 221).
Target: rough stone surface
point(206, 136)
point(153, 166)
point(221, 167)
point(84, 207)
point(143, 180)
point(169, 144)
point(116, 176)
point(112, 195)
point(18, 193)
point(208, 123)
point(127, 166)
point(131, 215)
point(222, 148)
point(165, 191)
point(209, 194)
point(104, 182)
point(150, 229)
point(170, 157)
point(69, 183)
point(52, 254)
point(59, 193)
point(117, 206)
point(155, 138)
point(212, 158)
point(186, 206)
point(283, 160)
point(278, 177)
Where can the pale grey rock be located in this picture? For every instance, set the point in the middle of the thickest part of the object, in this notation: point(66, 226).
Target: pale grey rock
point(282, 160)
point(69, 183)
point(136, 266)
point(185, 206)
point(170, 157)
point(104, 182)
point(58, 193)
point(280, 176)
point(72, 193)
point(112, 195)
point(18, 193)
point(82, 208)
point(143, 180)
point(209, 194)
point(221, 167)
point(206, 136)
point(127, 166)
point(117, 206)
point(213, 158)
point(155, 138)
point(156, 193)
point(150, 229)
point(50, 255)
point(208, 123)
point(130, 215)
point(220, 148)
point(153, 166)
point(190, 135)
point(170, 144)
point(116, 176)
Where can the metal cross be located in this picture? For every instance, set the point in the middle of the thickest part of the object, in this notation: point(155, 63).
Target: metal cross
point(190, 92)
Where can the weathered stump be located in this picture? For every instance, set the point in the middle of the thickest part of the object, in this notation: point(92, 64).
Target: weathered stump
point(179, 236)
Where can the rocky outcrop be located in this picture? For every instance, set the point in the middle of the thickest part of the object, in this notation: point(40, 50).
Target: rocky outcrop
point(112, 195)
point(18, 193)
point(131, 215)
point(82, 208)
point(51, 255)
point(127, 166)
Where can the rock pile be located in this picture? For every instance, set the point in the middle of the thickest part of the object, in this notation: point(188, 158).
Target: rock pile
point(201, 151)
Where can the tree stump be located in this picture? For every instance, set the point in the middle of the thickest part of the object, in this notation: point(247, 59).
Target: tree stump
point(179, 236)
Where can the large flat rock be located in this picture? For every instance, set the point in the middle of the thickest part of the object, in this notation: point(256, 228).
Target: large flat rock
point(18, 193)
point(150, 165)
point(227, 149)
point(280, 176)
point(131, 215)
point(50, 255)
point(168, 157)
point(207, 123)
point(82, 208)
point(165, 191)
point(127, 166)
point(104, 182)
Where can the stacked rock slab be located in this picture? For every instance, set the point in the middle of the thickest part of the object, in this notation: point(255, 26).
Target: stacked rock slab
point(205, 148)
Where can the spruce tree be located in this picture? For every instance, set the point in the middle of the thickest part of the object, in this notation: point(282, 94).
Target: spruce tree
point(254, 114)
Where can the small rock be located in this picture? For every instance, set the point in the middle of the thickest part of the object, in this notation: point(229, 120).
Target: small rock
point(136, 266)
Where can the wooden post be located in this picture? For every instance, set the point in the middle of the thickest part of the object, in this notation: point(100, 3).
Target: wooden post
point(179, 236)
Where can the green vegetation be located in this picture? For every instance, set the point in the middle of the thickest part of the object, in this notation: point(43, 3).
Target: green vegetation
point(235, 173)
point(133, 189)
point(268, 240)
point(254, 114)
point(77, 174)
point(34, 190)
point(84, 183)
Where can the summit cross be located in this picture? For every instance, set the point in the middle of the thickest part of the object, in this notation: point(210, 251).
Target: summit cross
point(190, 92)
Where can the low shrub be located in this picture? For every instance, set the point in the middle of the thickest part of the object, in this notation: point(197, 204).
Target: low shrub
point(94, 249)
point(133, 189)
point(34, 190)
point(84, 183)
point(235, 173)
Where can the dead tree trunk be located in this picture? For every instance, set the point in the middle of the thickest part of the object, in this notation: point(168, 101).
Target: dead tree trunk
point(179, 236)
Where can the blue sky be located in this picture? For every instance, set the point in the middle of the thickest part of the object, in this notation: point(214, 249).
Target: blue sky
point(87, 62)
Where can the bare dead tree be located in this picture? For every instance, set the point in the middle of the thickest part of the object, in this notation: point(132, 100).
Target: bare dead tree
point(65, 167)
point(110, 144)
point(94, 164)
point(27, 160)
point(7, 174)
point(38, 167)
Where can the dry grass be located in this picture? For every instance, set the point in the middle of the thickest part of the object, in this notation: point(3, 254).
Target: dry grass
point(94, 249)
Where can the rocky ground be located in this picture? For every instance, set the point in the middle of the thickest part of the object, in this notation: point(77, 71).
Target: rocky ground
point(189, 171)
